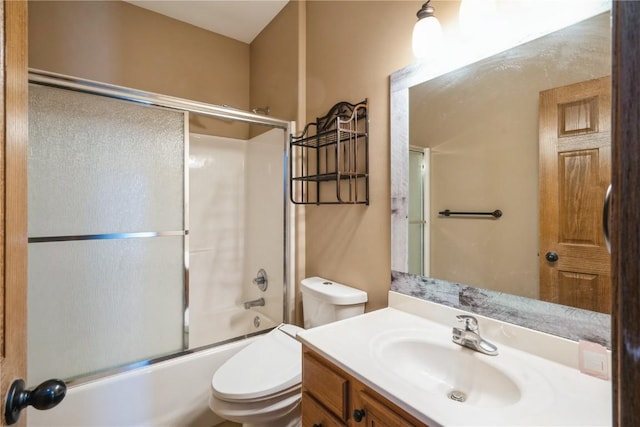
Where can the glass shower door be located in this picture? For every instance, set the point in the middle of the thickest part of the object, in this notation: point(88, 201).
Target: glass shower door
point(107, 233)
point(418, 242)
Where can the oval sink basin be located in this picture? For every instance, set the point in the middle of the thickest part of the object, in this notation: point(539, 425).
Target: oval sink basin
point(446, 370)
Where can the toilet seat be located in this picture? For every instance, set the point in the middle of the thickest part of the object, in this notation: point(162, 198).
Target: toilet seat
point(267, 368)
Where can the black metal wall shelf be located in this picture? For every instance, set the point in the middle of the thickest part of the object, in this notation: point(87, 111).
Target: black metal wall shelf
point(329, 161)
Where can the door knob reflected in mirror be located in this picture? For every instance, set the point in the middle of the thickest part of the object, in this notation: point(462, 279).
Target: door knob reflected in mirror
point(45, 396)
point(551, 256)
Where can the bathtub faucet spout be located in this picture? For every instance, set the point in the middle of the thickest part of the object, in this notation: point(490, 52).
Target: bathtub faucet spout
point(254, 303)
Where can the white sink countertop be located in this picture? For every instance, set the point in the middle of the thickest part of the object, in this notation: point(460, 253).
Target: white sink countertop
point(405, 353)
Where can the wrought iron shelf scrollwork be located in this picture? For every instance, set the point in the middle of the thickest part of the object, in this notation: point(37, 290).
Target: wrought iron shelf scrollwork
point(329, 161)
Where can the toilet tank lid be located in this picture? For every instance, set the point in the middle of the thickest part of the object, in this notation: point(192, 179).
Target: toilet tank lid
point(332, 292)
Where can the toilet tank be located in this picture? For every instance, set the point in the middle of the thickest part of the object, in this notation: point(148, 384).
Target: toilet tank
point(324, 301)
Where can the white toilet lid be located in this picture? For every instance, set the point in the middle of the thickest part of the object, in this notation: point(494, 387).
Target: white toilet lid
point(267, 366)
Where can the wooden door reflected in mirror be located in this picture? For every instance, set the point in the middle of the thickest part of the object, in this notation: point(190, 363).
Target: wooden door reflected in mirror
point(575, 171)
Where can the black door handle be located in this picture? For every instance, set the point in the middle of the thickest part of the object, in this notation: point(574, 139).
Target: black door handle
point(551, 256)
point(45, 396)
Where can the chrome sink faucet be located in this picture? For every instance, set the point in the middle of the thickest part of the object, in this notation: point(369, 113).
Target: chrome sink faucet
point(469, 336)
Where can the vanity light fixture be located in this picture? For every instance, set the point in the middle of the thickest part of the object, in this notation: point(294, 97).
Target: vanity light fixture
point(427, 33)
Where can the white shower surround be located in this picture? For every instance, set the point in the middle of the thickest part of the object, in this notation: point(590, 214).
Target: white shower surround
point(236, 212)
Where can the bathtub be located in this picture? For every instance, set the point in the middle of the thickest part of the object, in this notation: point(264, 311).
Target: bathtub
point(170, 393)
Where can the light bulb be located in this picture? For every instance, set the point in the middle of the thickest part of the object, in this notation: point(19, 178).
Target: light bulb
point(427, 37)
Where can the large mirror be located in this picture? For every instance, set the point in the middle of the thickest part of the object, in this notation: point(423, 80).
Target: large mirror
point(468, 141)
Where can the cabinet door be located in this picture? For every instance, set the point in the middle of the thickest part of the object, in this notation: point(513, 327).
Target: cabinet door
point(314, 415)
point(326, 385)
point(377, 414)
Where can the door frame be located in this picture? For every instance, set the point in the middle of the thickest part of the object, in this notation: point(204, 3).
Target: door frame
point(625, 211)
point(13, 189)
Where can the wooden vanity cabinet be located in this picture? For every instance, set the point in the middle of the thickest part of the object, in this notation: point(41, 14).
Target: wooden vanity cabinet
point(325, 393)
point(333, 398)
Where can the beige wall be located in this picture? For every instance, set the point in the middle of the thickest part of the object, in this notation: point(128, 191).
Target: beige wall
point(277, 81)
point(349, 244)
point(118, 43)
point(274, 66)
point(352, 48)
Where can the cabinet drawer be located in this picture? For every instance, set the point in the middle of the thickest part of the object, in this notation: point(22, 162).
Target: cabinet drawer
point(326, 385)
point(378, 414)
point(313, 414)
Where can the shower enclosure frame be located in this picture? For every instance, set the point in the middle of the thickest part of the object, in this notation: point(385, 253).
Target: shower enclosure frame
point(46, 78)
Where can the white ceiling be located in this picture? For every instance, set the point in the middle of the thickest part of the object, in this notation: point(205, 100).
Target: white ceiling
point(239, 19)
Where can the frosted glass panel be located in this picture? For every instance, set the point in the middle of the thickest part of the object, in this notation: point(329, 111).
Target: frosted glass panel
point(102, 303)
point(103, 166)
point(100, 165)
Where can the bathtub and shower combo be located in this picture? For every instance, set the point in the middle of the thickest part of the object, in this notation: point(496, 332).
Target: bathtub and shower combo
point(155, 252)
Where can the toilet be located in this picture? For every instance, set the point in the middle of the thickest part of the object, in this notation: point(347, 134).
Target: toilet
point(260, 386)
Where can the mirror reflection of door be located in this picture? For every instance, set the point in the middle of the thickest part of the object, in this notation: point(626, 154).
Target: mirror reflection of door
point(418, 208)
point(575, 171)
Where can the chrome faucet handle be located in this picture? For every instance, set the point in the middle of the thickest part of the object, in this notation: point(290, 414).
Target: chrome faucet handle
point(470, 336)
point(470, 322)
point(261, 280)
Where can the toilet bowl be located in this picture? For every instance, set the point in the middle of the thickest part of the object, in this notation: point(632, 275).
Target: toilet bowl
point(260, 386)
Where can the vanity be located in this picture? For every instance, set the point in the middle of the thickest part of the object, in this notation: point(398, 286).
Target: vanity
point(332, 397)
point(398, 366)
